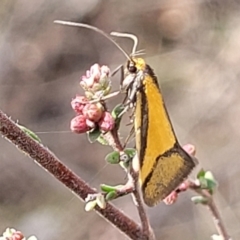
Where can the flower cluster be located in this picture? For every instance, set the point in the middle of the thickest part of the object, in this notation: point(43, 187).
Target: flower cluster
point(96, 84)
point(12, 234)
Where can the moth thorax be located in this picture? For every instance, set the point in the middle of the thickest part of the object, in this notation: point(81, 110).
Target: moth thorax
point(140, 64)
point(128, 81)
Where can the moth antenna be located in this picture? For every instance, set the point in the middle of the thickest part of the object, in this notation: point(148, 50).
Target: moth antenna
point(83, 25)
point(128, 35)
point(139, 52)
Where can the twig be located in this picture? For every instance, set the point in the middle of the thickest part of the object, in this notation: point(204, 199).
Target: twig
point(222, 231)
point(146, 228)
point(52, 164)
point(132, 185)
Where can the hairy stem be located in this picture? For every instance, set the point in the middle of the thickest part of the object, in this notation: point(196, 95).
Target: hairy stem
point(147, 230)
point(221, 229)
point(53, 165)
point(132, 185)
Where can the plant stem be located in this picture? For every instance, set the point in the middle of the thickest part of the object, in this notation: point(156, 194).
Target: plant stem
point(132, 185)
point(221, 229)
point(53, 165)
point(146, 228)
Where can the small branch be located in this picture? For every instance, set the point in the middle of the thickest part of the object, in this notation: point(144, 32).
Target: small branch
point(213, 209)
point(131, 186)
point(113, 140)
point(146, 228)
point(52, 164)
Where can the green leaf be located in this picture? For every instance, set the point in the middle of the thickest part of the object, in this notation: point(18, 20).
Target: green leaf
point(131, 152)
point(207, 181)
point(211, 185)
point(111, 195)
point(116, 113)
point(113, 157)
point(94, 135)
point(208, 175)
point(108, 188)
point(30, 133)
point(199, 199)
point(102, 140)
point(203, 183)
point(200, 174)
point(117, 110)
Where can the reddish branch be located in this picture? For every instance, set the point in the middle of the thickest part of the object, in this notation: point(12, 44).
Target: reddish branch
point(53, 165)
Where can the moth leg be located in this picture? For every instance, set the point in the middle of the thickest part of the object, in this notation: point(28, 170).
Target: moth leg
point(117, 69)
point(128, 137)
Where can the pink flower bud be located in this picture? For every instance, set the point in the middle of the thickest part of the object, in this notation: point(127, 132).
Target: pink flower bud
point(12, 234)
point(78, 104)
point(91, 77)
point(96, 79)
point(105, 79)
point(190, 149)
point(106, 123)
point(17, 236)
point(105, 71)
point(184, 186)
point(93, 111)
point(171, 198)
point(95, 71)
point(79, 125)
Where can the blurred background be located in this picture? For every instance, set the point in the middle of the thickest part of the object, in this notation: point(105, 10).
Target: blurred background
point(194, 48)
